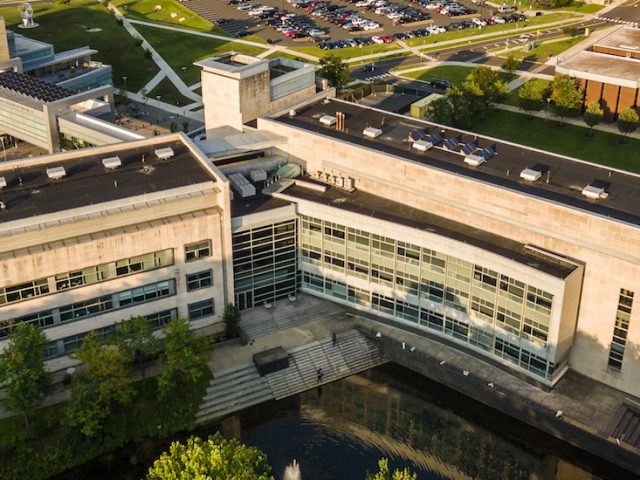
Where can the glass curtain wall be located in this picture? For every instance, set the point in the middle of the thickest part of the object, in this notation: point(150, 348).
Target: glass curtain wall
point(265, 264)
point(450, 296)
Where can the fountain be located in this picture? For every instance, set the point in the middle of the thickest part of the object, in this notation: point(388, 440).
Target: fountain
point(292, 472)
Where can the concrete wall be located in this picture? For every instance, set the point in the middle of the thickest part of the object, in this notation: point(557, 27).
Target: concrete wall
point(610, 250)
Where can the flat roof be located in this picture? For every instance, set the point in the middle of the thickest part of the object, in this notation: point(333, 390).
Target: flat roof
point(567, 177)
point(625, 38)
point(29, 191)
point(33, 87)
point(602, 64)
point(370, 205)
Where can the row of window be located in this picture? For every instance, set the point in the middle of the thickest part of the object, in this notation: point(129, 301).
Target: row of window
point(100, 273)
point(444, 323)
point(412, 270)
point(620, 329)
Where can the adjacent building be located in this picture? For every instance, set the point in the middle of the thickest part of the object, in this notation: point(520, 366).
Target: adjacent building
point(608, 71)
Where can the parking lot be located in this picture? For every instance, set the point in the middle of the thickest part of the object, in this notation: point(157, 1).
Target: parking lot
point(339, 23)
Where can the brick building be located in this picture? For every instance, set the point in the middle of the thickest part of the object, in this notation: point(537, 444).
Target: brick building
point(608, 70)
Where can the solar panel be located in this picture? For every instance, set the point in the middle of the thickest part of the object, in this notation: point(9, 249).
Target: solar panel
point(33, 87)
point(470, 147)
point(452, 143)
point(435, 138)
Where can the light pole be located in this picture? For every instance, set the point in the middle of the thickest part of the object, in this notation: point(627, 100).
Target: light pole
point(158, 97)
point(548, 108)
point(126, 93)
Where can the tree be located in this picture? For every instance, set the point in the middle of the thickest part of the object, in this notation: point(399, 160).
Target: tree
point(566, 96)
point(22, 369)
point(231, 319)
point(477, 99)
point(510, 64)
point(532, 94)
point(571, 31)
point(488, 80)
point(104, 384)
point(460, 107)
point(213, 458)
point(628, 122)
point(182, 359)
point(592, 116)
point(440, 111)
point(385, 474)
point(334, 70)
point(136, 338)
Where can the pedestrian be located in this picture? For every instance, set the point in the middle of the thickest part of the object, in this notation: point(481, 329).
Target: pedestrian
point(334, 338)
point(320, 374)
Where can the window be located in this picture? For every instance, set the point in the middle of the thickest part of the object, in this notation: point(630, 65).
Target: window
point(201, 309)
point(620, 329)
point(199, 280)
point(196, 251)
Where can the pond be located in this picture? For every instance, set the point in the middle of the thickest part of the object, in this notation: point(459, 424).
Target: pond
point(340, 431)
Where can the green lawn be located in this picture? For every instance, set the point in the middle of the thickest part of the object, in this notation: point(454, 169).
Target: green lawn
point(563, 139)
point(68, 27)
point(349, 51)
point(470, 32)
point(180, 50)
point(546, 50)
point(146, 10)
point(576, 6)
point(455, 74)
point(513, 98)
point(169, 94)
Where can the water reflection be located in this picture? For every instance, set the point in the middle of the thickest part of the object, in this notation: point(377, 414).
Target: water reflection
point(341, 431)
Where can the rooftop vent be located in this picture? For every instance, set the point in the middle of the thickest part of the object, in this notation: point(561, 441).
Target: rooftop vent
point(530, 175)
point(56, 173)
point(111, 163)
point(596, 190)
point(3, 182)
point(328, 120)
point(372, 132)
point(164, 153)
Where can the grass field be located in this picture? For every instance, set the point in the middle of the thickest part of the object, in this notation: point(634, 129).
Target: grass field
point(169, 94)
point(469, 32)
point(576, 6)
point(146, 10)
point(180, 50)
point(513, 98)
point(455, 74)
point(350, 51)
point(546, 50)
point(68, 27)
point(563, 139)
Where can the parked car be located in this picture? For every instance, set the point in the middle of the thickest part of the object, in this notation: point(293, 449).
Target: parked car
point(377, 39)
point(441, 83)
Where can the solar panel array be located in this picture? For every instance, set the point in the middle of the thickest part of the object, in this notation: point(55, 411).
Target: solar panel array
point(33, 87)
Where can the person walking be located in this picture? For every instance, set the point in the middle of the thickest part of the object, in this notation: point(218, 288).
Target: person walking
point(320, 374)
point(334, 338)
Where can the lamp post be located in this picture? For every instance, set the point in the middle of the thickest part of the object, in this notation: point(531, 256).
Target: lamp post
point(548, 108)
point(126, 93)
point(158, 97)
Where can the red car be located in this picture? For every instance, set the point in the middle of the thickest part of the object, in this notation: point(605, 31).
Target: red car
point(386, 39)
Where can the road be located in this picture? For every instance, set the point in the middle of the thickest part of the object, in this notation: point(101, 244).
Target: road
point(475, 53)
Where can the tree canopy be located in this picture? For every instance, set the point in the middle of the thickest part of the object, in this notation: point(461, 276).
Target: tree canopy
point(214, 458)
point(22, 369)
point(334, 70)
point(592, 116)
point(628, 121)
point(532, 94)
point(136, 338)
point(566, 96)
point(385, 474)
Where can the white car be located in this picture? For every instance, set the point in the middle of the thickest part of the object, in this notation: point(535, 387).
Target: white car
point(498, 19)
point(244, 6)
point(377, 39)
point(478, 22)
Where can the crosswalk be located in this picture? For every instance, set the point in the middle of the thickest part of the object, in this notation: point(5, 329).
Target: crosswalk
point(619, 21)
point(382, 76)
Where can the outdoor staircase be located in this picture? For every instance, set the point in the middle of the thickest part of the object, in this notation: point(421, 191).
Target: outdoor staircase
point(293, 319)
point(233, 390)
point(241, 387)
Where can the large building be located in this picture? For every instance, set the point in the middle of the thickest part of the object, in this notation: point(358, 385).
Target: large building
point(89, 238)
point(528, 260)
point(608, 70)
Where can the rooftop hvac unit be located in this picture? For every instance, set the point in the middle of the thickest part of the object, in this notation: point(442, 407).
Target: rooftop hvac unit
point(348, 183)
point(55, 173)
point(530, 175)
point(328, 120)
point(372, 132)
point(3, 182)
point(258, 175)
point(422, 145)
point(292, 112)
point(111, 163)
point(594, 192)
point(164, 153)
point(474, 160)
point(242, 185)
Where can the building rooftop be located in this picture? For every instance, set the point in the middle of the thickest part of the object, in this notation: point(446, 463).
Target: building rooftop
point(32, 87)
point(29, 191)
point(566, 177)
point(606, 67)
point(624, 39)
point(382, 208)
